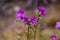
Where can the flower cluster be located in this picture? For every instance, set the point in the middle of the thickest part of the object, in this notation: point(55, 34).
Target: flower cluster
point(29, 21)
point(20, 15)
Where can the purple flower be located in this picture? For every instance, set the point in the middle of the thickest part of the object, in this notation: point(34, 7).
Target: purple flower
point(41, 10)
point(19, 14)
point(53, 36)
point(33, 19)
point(58, 24)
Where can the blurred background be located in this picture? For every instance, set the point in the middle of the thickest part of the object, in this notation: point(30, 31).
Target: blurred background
point(9, 26)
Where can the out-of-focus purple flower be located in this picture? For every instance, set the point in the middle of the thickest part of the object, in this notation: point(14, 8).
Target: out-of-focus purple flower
point(53, 36)
point(58, 24)
point(26, 19)
point(33, 19)
point(19, 14)
point(41, 10)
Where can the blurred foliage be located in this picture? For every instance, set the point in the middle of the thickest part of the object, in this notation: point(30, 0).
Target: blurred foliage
point(58, 7)
point(42, 36)
point(58, 38)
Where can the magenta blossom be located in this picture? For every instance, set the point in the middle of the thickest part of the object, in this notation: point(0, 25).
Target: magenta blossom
point(33, 19)
point(41, 10)
point(58, 24)
point(53, 37)
point(19, 14)
point(30, 20)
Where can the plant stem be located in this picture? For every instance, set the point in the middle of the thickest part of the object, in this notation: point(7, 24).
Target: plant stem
point(36, 28)
point(28, 34)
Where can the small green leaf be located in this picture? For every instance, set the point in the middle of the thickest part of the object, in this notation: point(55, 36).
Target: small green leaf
point(36, 11)
point(17, 20)
point(29, 26)
point(40, 18)
point(18, 37)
